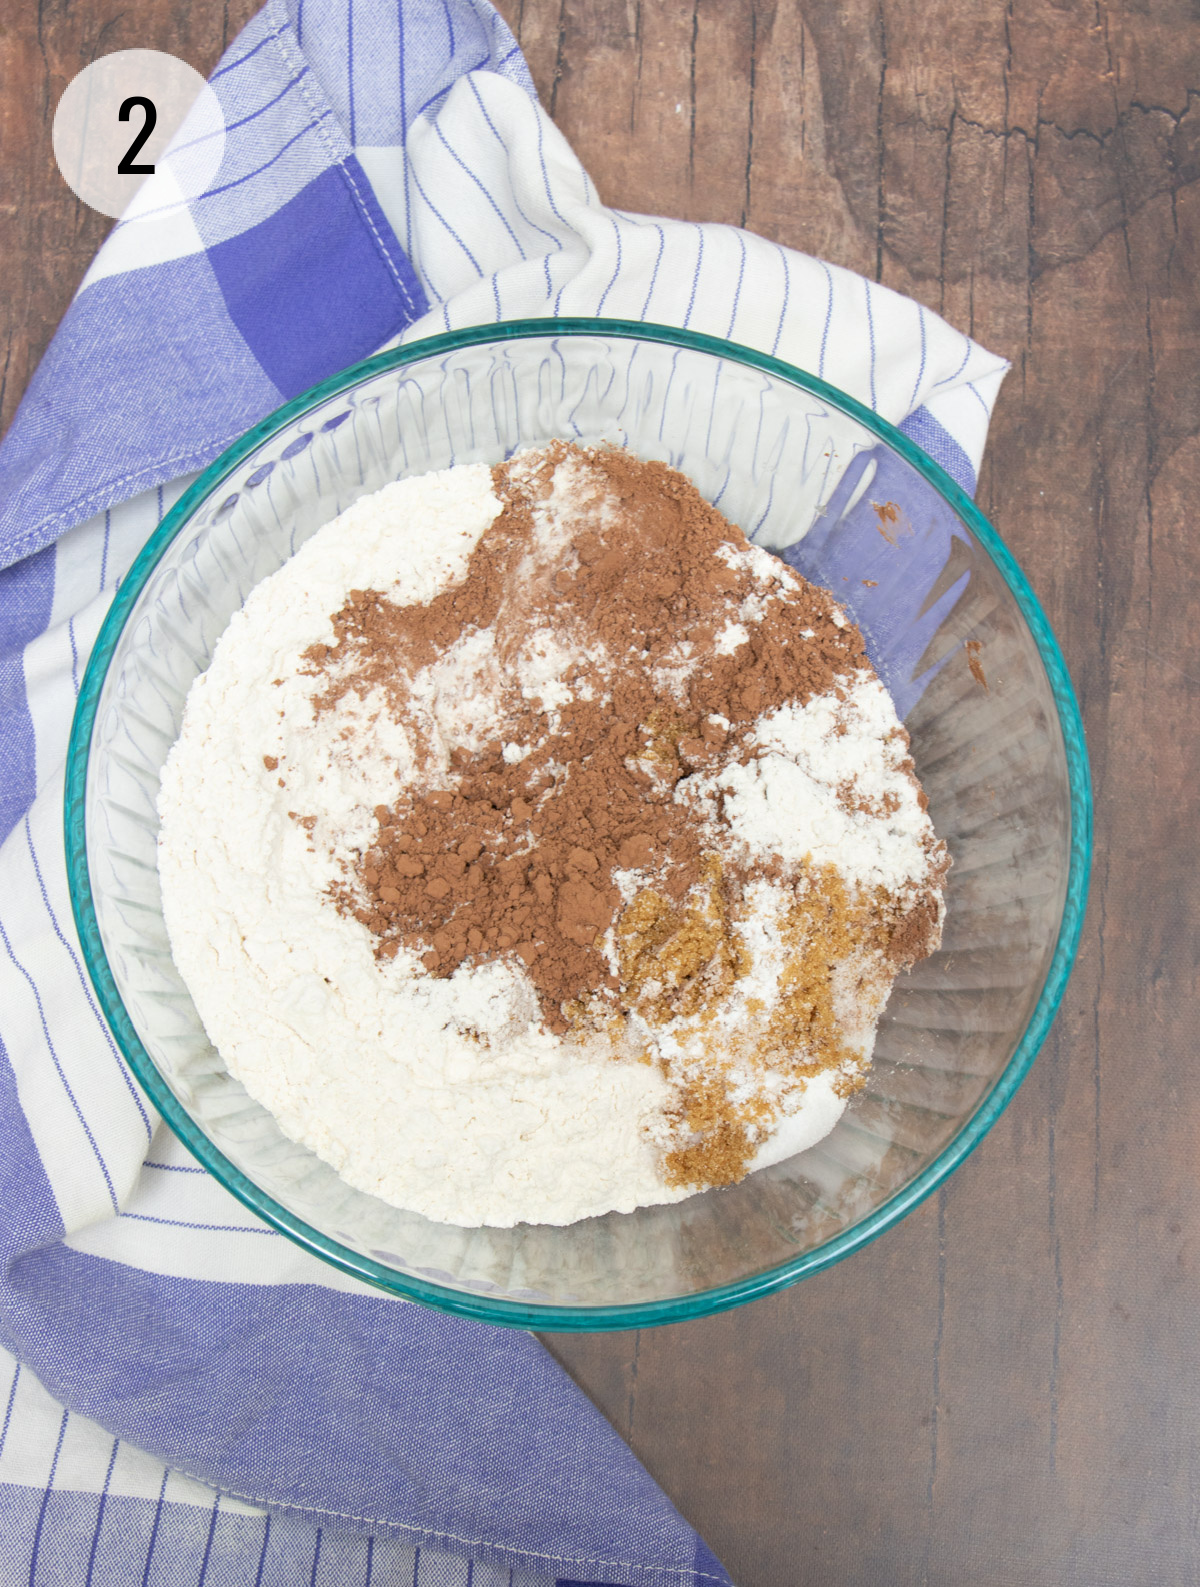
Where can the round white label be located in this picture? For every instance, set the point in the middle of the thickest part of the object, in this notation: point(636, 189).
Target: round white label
point(138, 124)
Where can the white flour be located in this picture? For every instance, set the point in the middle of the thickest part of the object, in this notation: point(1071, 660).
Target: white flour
point(378, 1068)
point(787, 802)
point(448, 1096)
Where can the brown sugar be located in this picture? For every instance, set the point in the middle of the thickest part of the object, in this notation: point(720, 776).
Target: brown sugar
point(678, 959)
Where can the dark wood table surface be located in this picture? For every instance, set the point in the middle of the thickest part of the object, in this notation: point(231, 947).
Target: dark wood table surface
point(1006, 1388)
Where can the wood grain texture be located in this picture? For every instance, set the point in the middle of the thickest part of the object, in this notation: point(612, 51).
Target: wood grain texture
point(1006, 1388)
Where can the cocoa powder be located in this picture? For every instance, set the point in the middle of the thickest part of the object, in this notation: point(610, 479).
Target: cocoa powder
point(518, 857)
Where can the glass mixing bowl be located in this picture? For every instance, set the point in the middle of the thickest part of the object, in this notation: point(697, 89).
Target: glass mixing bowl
point(953, 629)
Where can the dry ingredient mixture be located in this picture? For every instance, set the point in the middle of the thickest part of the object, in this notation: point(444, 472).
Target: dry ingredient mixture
point(536, 847)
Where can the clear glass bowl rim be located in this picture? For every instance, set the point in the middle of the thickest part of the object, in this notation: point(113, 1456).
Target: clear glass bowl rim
point(522, 1314)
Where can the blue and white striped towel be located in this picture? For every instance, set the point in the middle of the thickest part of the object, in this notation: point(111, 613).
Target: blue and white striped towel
point(235, 1410)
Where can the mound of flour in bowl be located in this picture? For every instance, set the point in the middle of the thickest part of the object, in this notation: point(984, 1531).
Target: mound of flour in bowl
point(534, 847)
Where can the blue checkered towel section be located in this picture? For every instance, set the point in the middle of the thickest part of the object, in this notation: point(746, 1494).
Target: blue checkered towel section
point(184, 1395)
